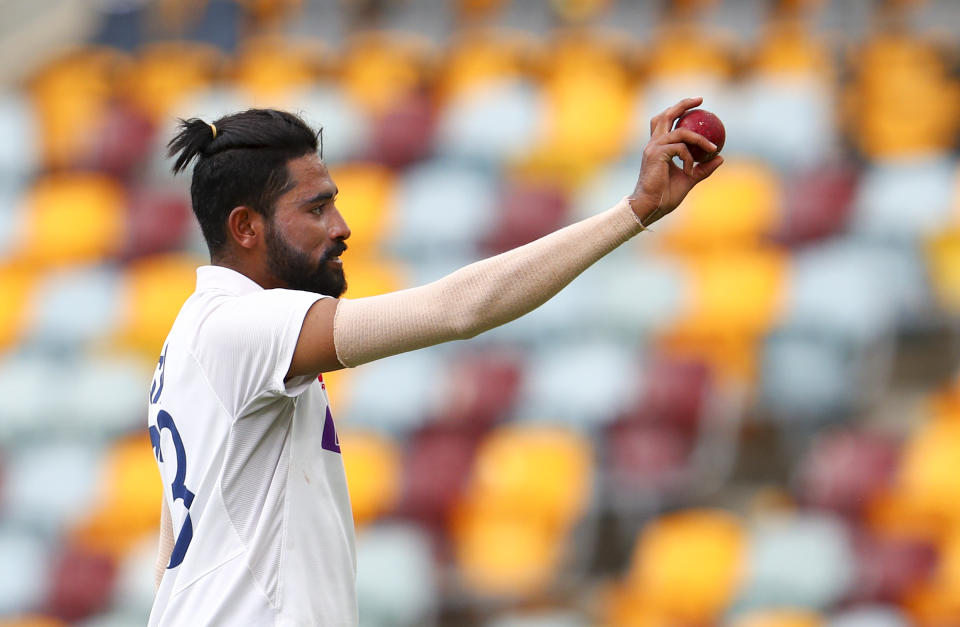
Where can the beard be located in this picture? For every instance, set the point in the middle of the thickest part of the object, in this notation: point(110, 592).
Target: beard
point(295, 268)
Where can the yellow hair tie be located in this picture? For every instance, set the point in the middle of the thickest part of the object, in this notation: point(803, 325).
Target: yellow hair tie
point(214, 129)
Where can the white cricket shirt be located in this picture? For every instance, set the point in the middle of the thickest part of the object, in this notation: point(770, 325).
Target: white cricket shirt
point(251, 466)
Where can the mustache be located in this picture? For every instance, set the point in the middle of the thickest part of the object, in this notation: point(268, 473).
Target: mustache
point(335, 251)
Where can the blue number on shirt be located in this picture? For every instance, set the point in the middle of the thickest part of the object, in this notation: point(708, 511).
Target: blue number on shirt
point(179, 488)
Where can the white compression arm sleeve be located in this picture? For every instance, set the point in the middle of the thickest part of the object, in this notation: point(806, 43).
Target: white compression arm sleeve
point(479, 296)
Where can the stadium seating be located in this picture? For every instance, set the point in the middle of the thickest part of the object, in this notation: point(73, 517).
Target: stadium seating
point(372, 464)
point(75, 307)
point(494, 123)
point(164, 74)
point(126, 510)
point(781, 348)
point(49, 485)
point(366, 194)
point(397, 582)
point(429, 496)
point(802, 561)
point(269, 69)
point(71, 219)
point(153, 291)
point(23, 589)
point(686, 567)
point(843, 470)
point(378, 68)
point(82, 584)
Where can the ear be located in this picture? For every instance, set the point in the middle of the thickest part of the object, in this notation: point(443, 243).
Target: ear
point(245, 226)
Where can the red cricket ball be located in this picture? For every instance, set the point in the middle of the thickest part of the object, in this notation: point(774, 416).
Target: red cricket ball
point(707, 124)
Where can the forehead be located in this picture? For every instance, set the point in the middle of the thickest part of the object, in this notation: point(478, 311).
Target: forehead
point(309, 178)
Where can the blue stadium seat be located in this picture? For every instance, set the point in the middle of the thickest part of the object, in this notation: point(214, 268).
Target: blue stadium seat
point(346, 129)
point(442, 208)
point(135, 587)
point(20, 150)
point(845, 289)
point(809, 377)
point(76, 306)
point(50, 484)
point(605, 188)
point(786, 122)
point(802, 561)
point(635, 296)
point(22, 587)
point(27, 405)
point(905, 199)
point(397, 582)
point(582, 384)
point(495, 123)
point(405, 391)
point(869, 616)
point(90, 410)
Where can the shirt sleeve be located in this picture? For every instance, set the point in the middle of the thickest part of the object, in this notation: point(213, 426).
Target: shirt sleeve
point(245, 347)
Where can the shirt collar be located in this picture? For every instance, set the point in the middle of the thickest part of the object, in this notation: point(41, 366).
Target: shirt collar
point(225, 279)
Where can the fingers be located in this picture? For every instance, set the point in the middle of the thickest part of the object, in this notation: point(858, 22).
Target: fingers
point(663, 122)
point(666, 152)
point(690, 137)
point(706, 168)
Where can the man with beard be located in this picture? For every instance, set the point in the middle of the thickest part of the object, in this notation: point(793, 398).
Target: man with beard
point(256, 526)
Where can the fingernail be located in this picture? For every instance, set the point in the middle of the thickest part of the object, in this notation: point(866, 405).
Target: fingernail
point(713, 146)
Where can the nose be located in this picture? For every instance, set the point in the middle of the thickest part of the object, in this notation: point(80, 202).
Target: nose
point(338, 228)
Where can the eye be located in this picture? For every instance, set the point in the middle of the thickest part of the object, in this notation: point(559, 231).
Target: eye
point(318, 209)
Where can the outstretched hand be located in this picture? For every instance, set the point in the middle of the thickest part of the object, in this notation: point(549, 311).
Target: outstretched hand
point(662, 186)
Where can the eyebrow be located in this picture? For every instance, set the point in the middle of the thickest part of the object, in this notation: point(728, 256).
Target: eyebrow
point(322, 197)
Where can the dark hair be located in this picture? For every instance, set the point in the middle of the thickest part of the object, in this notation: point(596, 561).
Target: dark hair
point(242, 162)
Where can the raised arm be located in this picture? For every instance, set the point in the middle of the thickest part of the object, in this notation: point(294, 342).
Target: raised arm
point(499, 289)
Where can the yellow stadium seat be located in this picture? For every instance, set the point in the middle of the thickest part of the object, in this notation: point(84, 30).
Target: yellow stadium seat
point(543, 474)
point(128, 507)
point(589, 104)
point(380, 68)
point(779, 618)
point(734, 298)
point(687, 567)
point(373, 467)
point(369, 276)
point(166, 73)
point(73, 218)
point(481, 56)
point(155, 289)
point(943, 261)
point(338, 386)
point(365, 201)
point(788, 48)
point(739, 207)
point(70, 97)
point(505, 556)
point(903, 100)
point(16, 284)
point(270, 69)
point(685, 48)
point(928, 477)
